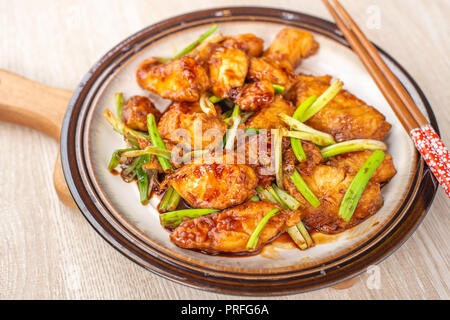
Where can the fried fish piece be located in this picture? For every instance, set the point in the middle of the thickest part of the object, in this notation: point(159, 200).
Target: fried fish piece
point(196, 126)
point(183, 79)
point(266, 69)
point(353, 161)
point(345, 117)
point(290, 46)
point(255, 96)
point(329, 184)
point(248, 42)
point(228, 67)
point(267, 118)
point(135, 111)
point(229, 230)
point(215, 184)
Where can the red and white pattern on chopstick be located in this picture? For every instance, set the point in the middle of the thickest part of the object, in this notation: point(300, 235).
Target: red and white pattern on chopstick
point(435, 154)
point(437, 144)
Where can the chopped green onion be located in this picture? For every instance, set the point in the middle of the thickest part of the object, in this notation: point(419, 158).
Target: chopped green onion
point(236, 112)
point(289, 200)
point(317, 139)
point(115, 158)
point(297, 143)
point(253, 241)
point(173, 201)
point(131, 153)
point(301, 227)
point(254, 198)
point(174, 218)
point(252, 131)
point(207, 106)
point(277, 144)
point(277, 197)
point(121, 128)
point(297, 237)
point(299, 126)
point(119, 104)
point(130, 172)
point(303, 188)
point(166, 200)
point(232, 132)
point(196, 42)
point(278, 88)
point(142, 178)
point(265, 195)
point(352, 146)
point(163, 60)
point(215, 99)
point(324, 98)
point(359, 183)
point(157, 142)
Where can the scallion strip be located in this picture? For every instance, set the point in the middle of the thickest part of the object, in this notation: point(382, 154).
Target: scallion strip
point(277, 144)
point(299, 126)
point(215, 99)
point(121, 128)
point(277, 197)
point(157, 141)
point(254, 198)
point(174, 218)
point(295, 235)
point(359, 183)
point(232, 132)
point(301, 227)
point(166, 200)
point(323, 99)
point(196, 42)
point(207, 106)
point(278, 88)
point(174, 200)
point(265, 195)
point(319, 140)
point(296, 144)
point(289, 200)
point(142, 178)
point(303, 188)
point(131, 153)
point(252, 131)
point(352, 146)
point(115, 158)
point(253, 241)
point(119, 104)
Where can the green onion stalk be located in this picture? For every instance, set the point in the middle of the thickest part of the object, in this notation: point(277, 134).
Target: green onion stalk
point(278, 88)
point(254, 238)
point(323, 100)
point(174, 218)
point(303, 188)
point(297, 143)
point(358, 184)
point(171, 203)
point(115, 158)
point(191, 46)
point(352, 146)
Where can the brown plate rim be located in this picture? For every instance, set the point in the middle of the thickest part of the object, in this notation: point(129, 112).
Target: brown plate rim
point(418, 200)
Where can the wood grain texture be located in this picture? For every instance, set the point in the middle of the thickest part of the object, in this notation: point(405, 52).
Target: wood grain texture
point(49, 251)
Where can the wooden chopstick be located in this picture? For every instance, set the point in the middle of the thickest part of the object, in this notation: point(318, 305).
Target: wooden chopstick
point(373, 52)
point(399, 108)
point(425, 138)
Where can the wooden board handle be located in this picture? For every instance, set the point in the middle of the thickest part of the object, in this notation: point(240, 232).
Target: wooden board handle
point(41, 107)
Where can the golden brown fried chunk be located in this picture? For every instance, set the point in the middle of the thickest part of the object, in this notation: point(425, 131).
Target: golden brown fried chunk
point(135, 111)
point(313, 158)
point(208, 130)
point(290, 46)
point(228, 68)
point(345, 117)
point(249, 43)
point(353, 161)
point(267, 118)
point(255, 96)
point(329, 184)
point(265, 69)
point(183, 79)
point(229, 230)
point(213, 184)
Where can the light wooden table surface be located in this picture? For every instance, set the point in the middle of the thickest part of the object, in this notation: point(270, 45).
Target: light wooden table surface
point(49, 251)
